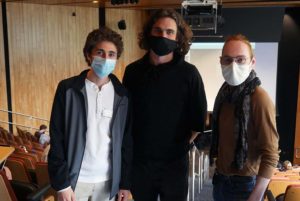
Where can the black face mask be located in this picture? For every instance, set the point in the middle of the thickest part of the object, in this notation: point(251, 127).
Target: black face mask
point(162, 46)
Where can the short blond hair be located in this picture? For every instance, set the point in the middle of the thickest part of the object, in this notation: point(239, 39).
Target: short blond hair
point(242, 38)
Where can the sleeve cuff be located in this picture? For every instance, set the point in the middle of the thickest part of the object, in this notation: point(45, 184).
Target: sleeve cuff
point(62, 190)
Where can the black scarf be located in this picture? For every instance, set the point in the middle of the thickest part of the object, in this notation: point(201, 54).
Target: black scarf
point(240, 96)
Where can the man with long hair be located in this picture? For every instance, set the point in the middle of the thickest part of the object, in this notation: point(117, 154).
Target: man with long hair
point(169, 108)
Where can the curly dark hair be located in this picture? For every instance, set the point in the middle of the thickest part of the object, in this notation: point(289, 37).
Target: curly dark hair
point(43, 126)
point(184, 32)
point(99, 35)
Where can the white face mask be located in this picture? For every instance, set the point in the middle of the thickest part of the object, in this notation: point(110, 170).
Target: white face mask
point(235, 74)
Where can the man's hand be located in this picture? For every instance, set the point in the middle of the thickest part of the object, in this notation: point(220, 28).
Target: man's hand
point(194, 135)
point(66, 195)
point(259, 189)
point(123, 195)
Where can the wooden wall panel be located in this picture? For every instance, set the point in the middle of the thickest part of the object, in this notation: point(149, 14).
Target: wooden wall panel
point(45, 47)
point(297, 131)
point(134, 23)
point(3, 96)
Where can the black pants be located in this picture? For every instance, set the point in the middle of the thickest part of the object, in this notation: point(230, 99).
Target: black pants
point(168, 180)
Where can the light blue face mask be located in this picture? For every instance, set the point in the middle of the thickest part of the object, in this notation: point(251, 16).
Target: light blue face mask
point(103, 67)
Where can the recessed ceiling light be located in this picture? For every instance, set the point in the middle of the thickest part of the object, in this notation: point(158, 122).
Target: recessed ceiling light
point(95, 1)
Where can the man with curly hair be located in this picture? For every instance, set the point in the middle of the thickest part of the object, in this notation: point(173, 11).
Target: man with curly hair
point(89, 137)
point(169, 109)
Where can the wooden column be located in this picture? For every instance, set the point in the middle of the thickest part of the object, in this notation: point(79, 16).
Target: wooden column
point(3, 96)
point(297, 131)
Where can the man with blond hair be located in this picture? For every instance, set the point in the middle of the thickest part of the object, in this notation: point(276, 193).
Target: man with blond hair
point(245, 139)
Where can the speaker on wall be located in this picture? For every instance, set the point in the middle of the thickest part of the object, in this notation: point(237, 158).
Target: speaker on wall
point(122, 25)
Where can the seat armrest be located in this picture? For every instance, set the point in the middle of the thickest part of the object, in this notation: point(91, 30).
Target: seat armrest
point(39, 193)
point(270, 195)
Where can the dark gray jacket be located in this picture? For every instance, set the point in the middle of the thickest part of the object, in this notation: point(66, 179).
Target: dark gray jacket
point(68, 126)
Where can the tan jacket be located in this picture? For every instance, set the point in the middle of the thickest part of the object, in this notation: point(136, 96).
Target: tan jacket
point(263, 154)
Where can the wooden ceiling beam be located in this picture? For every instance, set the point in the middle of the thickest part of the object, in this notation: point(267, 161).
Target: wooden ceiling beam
point(154, 4)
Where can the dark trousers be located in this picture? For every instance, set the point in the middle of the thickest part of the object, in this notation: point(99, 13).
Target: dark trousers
point(168, 180)
point(232, 188)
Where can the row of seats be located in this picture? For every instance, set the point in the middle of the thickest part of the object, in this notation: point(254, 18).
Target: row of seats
point(283, 190)
point(284, 185)
point(22, 137)
point(30, 180)
point(23, 142)
point(17, 190)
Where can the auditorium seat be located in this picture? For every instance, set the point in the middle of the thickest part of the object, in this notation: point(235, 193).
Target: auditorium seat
point(43, 177)
point(6, 191)
point(21, 191)
point(18, 170)
point(4, 133)
point(277, 187)
point(35, 156)
point(42, 173)
point(28, 160)
point(292, 193)
point(37, 146)
point(294, 177)
point(3, 142)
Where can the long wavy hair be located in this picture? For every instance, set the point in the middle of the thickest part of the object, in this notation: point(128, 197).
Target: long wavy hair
point(184, 32)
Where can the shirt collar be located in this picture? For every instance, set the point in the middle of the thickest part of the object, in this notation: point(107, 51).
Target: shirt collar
point(93, 86)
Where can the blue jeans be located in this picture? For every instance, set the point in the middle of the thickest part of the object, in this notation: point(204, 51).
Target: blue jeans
point(232, 188)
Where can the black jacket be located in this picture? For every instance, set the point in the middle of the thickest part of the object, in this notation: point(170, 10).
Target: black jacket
point(68, 126)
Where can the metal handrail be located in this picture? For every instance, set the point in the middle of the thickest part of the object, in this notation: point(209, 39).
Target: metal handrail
point(18, 113)
point(6, 122)
point(24, 115)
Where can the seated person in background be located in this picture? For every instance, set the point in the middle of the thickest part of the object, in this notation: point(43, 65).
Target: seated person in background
point(44, 138)
point(45, 142)
point(40, 132)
